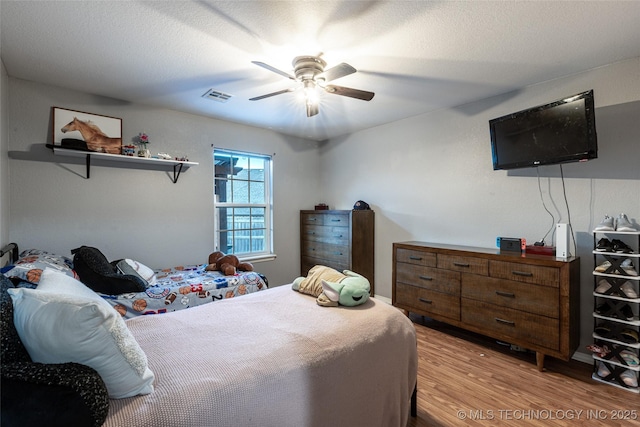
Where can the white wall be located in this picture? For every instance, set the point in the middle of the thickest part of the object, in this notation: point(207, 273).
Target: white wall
point(142, 214)
point(430, 177)
point(4, 160)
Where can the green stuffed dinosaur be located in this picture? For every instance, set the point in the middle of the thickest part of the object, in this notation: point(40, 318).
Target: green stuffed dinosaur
point(330, 287)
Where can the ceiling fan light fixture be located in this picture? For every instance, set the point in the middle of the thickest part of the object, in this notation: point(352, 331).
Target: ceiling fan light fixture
point(310, 72)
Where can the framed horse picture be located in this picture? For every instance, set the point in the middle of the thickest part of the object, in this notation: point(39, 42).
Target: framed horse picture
point(86, 131)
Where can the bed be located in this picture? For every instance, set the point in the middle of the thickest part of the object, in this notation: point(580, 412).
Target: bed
point(171, 289)
point(183, 287)
point(269, 358)
point(274, 358)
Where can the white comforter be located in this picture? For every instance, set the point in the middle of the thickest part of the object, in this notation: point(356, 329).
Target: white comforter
point(274, 358)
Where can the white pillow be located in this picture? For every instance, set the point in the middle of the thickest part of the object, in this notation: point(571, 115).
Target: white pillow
point(65, 321)
point(142, 270)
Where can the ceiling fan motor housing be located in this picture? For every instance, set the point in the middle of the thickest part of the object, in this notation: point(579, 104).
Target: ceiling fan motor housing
point(307, 67)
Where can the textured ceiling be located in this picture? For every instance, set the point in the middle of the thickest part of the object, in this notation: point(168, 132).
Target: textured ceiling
point(417, 56)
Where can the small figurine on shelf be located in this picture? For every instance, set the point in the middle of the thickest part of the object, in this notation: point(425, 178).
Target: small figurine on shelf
point(128, 150)
point(143, 140)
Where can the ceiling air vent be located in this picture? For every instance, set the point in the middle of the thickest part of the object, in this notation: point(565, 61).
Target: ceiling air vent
point(214, 95)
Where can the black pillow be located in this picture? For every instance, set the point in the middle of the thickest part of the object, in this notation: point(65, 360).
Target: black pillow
point(97, 273)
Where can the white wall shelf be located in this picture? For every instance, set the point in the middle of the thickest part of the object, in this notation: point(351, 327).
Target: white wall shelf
point(177, 166)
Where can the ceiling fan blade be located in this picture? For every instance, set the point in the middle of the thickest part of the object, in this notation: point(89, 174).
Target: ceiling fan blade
point(275, 70)
point(336, 72)
point(257, 98)
point(350, 92)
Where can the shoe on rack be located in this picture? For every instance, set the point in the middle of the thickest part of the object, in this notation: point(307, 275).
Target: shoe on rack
point(628, 267)
point(604, 331)
point(603, 371)
point(629, 336)
point(603, 267)
point(628, 290)
point(627, 313)
point(605, 225)
point(620, 247)
point(623, 224)
point(630, 358)
point(629, 378)
point(604, 245)
point(603, 286)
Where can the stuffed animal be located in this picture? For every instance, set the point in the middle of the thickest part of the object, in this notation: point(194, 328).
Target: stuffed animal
point(330, 287)
point(227, 264)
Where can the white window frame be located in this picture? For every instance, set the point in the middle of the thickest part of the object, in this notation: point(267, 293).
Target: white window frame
point(267, 205)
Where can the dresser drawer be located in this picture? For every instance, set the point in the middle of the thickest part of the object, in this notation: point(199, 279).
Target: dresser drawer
point(326, 234)
point(464, 263)
point(409, 256)
point(429, 278)
point(546, 276)
point(508, 324)
point(535, 299)
point(306, 263)
point(325, 251)
point(428, 302)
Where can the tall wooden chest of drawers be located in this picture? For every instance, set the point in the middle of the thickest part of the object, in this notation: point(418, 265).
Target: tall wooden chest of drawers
point(528, 300)
point(339, 239)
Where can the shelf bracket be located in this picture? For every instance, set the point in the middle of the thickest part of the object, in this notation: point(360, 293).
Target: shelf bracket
point(88, 162)
point(177, 168)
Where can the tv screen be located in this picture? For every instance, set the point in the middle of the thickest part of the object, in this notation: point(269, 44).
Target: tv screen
point(559, 132)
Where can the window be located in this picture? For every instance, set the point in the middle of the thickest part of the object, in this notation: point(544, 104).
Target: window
point(242, 202)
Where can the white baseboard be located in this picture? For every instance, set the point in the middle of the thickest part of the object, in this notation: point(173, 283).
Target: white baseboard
point(582, 357)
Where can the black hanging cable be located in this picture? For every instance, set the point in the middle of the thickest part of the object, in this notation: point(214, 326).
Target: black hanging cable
point(553, 220)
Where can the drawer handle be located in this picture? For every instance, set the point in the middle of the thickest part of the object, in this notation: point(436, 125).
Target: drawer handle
point(460, 264)
point(336, 220)
point(312, 219)
point(338, 235)
point(426, 277)
point(337, 253)
point(505, 322)
point(522, 273)
point(415, 258)
point(505, 294)
point(426, 301)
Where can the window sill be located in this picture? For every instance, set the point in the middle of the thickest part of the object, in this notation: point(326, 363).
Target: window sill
point(257, 258)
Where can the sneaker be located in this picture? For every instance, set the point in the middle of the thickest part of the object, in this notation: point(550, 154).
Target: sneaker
point(603, 286)
point(623, 313)
point(623, 224)
point(628, 267)
point(629, 378)
point(603, 371)
point(604, 245)
point(603, 267)
point(628, 290)
point(630, 358)
point(620, 247)
point(605, 225)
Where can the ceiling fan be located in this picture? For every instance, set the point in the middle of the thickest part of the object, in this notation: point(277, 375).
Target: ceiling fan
point(311, 77)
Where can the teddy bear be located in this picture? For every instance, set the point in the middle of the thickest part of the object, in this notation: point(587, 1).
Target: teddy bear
point(227, 264)
point(332, 288)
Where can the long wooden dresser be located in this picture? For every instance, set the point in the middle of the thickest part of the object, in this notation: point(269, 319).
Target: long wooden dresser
point(531, 301)
point(339, 239)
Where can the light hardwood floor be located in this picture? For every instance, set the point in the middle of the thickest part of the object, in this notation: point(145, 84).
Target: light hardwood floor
point(466, 379)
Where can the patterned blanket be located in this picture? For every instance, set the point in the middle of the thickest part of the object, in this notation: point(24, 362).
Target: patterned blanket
point(186, 286)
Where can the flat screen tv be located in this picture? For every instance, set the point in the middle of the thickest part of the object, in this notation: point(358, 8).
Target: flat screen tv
point(559, 132)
